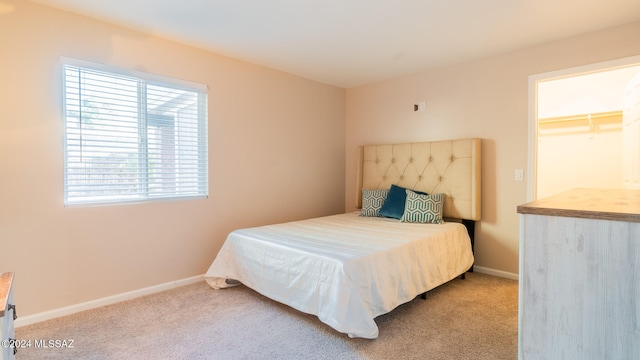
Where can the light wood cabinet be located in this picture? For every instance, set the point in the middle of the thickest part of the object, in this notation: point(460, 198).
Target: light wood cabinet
point(7, 316)
point(579, 294)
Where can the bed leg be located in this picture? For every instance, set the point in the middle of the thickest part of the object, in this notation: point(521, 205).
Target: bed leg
point(423, 296)
point(471, 230)
point(462, 277)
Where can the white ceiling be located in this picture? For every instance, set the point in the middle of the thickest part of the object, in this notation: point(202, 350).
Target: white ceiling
point(348, 43)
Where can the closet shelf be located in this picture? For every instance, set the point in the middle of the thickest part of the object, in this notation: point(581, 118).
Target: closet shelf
point(582, 117)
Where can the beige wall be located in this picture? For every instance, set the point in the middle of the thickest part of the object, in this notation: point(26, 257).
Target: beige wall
point(276, 152)
point(487, 98)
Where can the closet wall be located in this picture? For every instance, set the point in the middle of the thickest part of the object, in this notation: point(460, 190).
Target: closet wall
point(580, 132)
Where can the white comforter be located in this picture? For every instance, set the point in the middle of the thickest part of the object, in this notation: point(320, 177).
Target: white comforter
point(345, 269)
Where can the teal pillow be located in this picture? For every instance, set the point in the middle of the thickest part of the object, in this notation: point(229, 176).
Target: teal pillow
point(425, 209)
point(372, 201)
point(393, 206)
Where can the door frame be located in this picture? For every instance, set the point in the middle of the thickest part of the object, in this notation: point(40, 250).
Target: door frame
point(534, 80)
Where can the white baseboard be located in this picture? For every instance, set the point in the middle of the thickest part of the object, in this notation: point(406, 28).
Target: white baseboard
point(494, 272)
point(68, 310)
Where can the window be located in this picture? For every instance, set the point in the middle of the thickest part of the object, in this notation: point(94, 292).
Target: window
point(132, 137)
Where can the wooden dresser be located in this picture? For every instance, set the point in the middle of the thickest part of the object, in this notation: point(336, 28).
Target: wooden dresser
point(7, 316)
point(579, 294)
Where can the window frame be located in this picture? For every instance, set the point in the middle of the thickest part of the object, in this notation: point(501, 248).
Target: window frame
point(144, 80)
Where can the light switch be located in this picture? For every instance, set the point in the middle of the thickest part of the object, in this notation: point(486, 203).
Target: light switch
point(519, 175)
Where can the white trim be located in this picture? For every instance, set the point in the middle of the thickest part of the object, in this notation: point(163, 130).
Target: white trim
point(494, 272)
point(533, 108)
point(68, 310)
point(532, 138)
point(109, 300)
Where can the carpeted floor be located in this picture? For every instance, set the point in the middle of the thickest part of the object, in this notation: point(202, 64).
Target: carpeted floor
point(476, 318)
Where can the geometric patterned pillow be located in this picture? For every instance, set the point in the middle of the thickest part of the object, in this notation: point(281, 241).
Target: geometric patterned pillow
point(372, 201)
point(423, 208)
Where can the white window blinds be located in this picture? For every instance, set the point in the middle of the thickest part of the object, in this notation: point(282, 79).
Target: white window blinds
point(131, 138)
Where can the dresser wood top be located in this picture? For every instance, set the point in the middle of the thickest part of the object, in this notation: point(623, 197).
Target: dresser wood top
point(5, 285)
point(604, 204)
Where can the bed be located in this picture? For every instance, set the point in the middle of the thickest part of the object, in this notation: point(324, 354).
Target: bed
point(347, 269)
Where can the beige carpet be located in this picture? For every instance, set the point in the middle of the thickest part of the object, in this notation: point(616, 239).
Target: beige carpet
point(474, 318)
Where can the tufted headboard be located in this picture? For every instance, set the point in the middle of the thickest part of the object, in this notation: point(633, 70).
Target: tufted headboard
point(451, 167)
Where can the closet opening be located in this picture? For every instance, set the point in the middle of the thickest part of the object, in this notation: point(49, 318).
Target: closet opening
point(584, 128)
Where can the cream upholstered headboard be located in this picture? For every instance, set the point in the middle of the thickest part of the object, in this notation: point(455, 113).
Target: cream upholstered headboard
point(451, 167)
